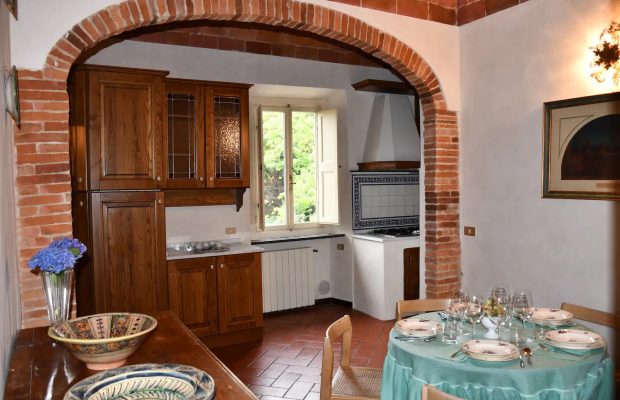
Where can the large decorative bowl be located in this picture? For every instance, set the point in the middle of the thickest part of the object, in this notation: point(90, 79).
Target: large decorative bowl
point(104, 341)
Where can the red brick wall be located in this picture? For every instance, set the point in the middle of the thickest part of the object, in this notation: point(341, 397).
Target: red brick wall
point(451, 12)
point(43, 181)
point(260, 41)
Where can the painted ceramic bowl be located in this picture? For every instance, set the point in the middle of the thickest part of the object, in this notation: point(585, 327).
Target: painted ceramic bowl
point(145, 381)
point(104, 341)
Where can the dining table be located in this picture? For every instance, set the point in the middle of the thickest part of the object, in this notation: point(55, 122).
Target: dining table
point(555, 374)
point(41, 369)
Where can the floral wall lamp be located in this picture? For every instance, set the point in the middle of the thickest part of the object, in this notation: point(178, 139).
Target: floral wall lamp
point(606, 63)
point(11, 94)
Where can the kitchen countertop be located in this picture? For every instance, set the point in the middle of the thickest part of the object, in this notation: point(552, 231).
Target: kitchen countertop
point(374, 237)
point(234, 248)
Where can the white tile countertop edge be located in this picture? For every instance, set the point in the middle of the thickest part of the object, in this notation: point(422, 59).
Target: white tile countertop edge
point(235, 248)
point(382, 238)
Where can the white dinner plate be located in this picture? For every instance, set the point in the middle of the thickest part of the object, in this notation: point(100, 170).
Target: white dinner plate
point(551, 316)
point(575, 339)
point(490, 350)
point(418, 327)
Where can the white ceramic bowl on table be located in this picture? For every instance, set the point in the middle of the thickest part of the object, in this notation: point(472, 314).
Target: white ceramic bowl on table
point(104, 341)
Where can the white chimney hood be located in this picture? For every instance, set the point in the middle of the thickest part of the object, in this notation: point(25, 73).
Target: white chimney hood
point(392, 132)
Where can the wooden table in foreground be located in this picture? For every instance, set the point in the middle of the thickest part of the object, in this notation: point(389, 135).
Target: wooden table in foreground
point(41, 369)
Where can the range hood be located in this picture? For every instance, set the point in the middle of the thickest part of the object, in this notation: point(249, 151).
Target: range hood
point(392, 140)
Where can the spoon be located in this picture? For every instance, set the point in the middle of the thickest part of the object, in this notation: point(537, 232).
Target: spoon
point(527, 352)
point(521, 363)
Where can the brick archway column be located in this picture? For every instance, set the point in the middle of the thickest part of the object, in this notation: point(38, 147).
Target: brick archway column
point(43, 185)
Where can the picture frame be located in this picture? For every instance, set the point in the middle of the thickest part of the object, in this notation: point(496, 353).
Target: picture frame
point(12, 6)
point(11, 95)
point(581, 148)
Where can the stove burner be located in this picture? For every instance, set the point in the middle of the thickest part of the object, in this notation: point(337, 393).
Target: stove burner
point(211, 246)
point(398, 232)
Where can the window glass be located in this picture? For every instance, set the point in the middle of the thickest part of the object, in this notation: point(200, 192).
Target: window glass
point(303, 126)
point(274, 167)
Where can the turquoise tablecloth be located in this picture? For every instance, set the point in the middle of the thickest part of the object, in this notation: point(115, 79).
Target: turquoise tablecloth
point(409, 365)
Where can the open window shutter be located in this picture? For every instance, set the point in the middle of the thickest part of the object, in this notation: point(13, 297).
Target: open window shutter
point(327, 157)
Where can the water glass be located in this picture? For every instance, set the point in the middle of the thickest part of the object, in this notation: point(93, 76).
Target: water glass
point(475, 311)
point(517, 336)
point(451, 328)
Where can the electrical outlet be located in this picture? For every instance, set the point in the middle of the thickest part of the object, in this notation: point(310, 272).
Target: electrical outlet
point(470, 231)
point(340, 246)
point(230, 230)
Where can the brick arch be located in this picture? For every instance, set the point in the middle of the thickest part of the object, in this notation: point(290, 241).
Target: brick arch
point(43, 178)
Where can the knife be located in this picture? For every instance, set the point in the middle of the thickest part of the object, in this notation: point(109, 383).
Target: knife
point(455, 353)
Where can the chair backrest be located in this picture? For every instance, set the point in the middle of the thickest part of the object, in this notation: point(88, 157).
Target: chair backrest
point(431, 393)
point(590, 314)
point(408, 307)
point(340, 328)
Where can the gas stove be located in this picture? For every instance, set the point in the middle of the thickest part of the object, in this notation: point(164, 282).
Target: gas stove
point(398, 232)
point(210, 246)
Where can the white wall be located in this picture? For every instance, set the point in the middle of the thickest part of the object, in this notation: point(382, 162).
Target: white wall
point(512, 62)
point(436, 43)
point(9, 287)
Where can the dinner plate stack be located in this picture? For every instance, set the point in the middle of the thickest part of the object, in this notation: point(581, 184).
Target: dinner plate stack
point(551, 317)
point(418, 327)
point(490, 350)
point(574, 339)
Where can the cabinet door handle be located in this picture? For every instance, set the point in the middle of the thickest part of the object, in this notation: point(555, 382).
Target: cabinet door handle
point(222, 266)
point(212, 267)
point(79, 180)
point(158, 178)
point(81, 204)
point(201, 178)
point(160, 201)
point(210, 178)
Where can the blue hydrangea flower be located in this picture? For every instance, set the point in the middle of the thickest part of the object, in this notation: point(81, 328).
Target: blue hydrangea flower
point(59, 256)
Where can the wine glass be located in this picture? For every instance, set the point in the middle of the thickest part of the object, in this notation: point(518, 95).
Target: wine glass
point(501, 291)
point(475, 311)
point(505, 315)
point(458, 304)
point(523, 308)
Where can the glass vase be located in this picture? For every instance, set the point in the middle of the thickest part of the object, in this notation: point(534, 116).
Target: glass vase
point(57, 288)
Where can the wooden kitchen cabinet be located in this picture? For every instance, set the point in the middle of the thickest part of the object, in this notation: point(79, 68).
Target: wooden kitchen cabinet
point(192, 293)
point(127, 253)
point(206, 135)
point(218, 295)
point(116, 128)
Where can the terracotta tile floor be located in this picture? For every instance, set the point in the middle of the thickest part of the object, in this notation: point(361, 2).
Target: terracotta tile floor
point(287, 363)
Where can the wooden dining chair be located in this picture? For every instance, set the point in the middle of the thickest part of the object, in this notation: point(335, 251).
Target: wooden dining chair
point(431, 393)
point(354, 383)
point(590, 314)
point(405, 308)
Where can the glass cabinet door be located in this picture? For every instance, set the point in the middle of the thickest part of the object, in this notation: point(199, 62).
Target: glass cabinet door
point(228, 142)
point(184, 122)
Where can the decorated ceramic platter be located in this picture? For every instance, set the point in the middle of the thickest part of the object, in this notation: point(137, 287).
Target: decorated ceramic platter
point(145, 381)
point(418, 327)
point(490, 350)
point(551, 316)
point(575, 339)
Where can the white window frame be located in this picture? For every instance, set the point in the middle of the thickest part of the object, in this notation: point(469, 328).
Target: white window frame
point(288, 163)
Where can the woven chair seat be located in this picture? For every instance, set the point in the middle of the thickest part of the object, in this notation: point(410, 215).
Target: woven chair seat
point(356, 383)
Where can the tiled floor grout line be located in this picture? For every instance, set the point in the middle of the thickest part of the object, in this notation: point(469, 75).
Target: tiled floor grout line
point(287, 363)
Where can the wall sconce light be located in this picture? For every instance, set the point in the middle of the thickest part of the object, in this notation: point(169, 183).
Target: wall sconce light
point(11, 94)
point(606, 63)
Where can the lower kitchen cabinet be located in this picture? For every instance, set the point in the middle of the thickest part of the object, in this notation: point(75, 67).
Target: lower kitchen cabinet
point(125, 270)
point(218, 296)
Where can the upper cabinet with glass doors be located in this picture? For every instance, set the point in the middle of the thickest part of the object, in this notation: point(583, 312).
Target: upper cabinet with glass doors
point(206, 131)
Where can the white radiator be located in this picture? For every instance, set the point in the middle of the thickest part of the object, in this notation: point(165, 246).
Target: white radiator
point(288, 279)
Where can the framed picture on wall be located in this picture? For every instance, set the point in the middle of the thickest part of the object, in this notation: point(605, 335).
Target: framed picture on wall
point(581, 148)
point(12, 6)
